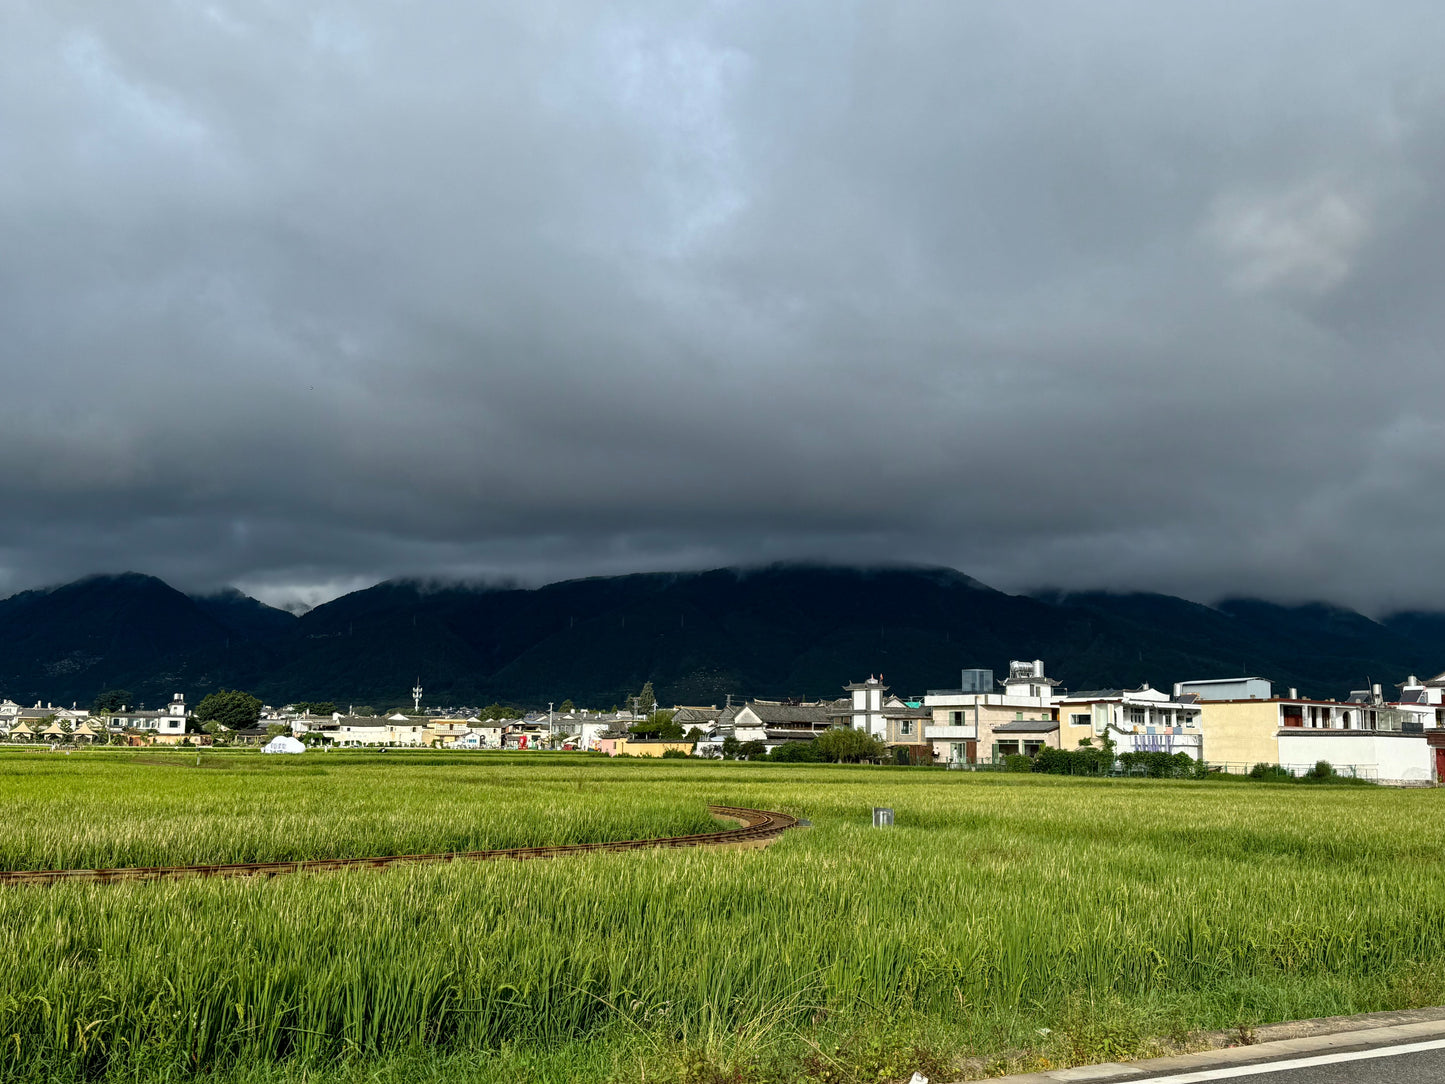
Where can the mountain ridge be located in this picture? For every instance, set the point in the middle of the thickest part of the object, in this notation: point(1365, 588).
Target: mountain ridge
point(778, 630)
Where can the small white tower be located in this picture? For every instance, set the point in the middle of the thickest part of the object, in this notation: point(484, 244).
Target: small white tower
point(416, 694)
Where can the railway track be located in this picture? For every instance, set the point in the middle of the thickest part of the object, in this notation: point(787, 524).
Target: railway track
point(756, 828)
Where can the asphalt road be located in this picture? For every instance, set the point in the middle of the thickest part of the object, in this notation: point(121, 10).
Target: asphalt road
point(1401, 1063)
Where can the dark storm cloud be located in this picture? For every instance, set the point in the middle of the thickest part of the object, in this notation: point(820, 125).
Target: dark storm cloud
point(1133, 295)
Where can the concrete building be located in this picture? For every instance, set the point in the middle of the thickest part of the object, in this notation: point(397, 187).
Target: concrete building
point(866, 706)
point(1142, 720)
point(965, 720)
point(1245, 688)
point(1425, 700)
point(1362, 736)
point(169, 722)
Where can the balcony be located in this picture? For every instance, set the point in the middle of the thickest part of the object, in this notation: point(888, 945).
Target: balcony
point(950, 733)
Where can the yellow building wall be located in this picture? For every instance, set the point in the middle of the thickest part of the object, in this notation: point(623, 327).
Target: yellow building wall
point(1070, 736)
point(651, 748)
point(1242, 732)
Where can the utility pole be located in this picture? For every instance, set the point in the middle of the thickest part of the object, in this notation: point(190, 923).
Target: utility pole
point(416, 695)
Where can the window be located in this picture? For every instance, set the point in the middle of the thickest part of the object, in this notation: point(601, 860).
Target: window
point(1018, 715)
point(1136, 717)
point(955, 718)
point(906, 727)
point(1080, 720)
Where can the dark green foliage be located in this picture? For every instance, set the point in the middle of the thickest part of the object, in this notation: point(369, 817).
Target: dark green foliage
point(797, 752)
point(752, 750)
point(842, 745)
point(229, 708)
point(493, 712)
point(658, 726)
point(112, 700)
point(1087, 760)
point(1272, 773)
point(1017, 762)
point(674, 754)
point(1159, 765)
point(1321, 772)
point(314, 707)
point(646, 700)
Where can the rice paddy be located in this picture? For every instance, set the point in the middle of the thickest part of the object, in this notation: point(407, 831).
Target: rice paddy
point(1004, 922)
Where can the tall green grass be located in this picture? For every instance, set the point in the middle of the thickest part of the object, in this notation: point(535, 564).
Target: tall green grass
point(1004, 921)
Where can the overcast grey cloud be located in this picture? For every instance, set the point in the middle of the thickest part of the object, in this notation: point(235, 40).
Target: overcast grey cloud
point(1135, 294)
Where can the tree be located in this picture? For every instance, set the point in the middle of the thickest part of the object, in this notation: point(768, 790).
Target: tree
point(230, 709)
point(275, 730)
point(843, 744)
point(499, 711)
point(112, 701)
point(752, 750)
point(566, 707)
point(797, 752)
point(730, 747)
point(314, 707)
point(658, 725)
point(646, 700)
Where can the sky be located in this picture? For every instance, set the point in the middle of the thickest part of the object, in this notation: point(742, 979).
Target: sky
point(1131, 295)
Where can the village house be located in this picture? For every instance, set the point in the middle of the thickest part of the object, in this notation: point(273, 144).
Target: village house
point(169, 723)
point(1423, 699)
point(38, 718)
point(445, 732)
point(353, 731)
point(984, 719)
point(1142, 720)
point(1362, 735)
point(772, 722)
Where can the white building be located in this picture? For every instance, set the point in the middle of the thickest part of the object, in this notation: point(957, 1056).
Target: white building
point(1142, 720)
point(170, 721)
point(867, 706)
point(1245, 688)
point(1425, 700)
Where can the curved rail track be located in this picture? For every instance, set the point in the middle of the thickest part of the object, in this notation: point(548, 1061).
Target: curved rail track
point(757, 828)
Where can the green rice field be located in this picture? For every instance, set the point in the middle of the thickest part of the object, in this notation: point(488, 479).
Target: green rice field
point(1007, 922)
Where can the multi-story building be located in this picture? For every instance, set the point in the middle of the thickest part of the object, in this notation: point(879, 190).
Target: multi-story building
point(1362, 735)
point(1142, 720)
point(980, 721)
point(168, 724)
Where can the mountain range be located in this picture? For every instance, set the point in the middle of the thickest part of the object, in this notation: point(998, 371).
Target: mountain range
point(767, 632)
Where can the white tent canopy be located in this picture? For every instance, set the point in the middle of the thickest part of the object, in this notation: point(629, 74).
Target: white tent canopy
point(282, 743)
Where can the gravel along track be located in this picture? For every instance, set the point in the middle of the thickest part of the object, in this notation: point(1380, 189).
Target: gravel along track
point(757, 828)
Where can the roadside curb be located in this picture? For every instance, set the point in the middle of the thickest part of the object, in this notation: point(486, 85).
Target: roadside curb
point(1261, 1044)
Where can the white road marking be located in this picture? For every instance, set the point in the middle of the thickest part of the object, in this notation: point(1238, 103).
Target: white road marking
point(1295, 1063)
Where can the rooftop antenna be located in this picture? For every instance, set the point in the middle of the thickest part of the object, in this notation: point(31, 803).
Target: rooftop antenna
point(416, 694)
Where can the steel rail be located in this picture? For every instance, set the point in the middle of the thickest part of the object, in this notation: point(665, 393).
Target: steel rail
point(757, 828)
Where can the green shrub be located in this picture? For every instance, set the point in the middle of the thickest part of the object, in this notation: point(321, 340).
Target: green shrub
point(797, 752)
point(1270, 773)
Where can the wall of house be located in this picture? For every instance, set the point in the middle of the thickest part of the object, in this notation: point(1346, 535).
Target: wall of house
point(992, 715)
point(1072, 735)
point(649, 748)
point(1390, 758)
point(1240, 733)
